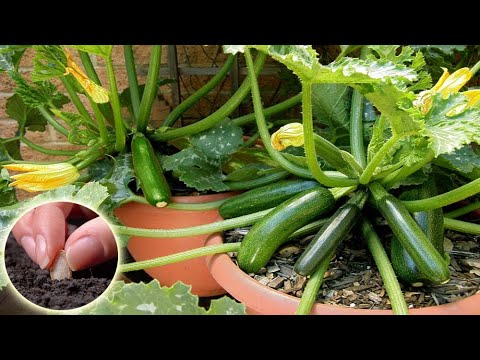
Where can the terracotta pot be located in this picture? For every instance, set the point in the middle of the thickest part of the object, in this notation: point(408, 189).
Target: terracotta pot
point(193, 272)
point(263, 300)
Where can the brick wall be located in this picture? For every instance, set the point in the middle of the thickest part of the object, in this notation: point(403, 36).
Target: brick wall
point(188, 56)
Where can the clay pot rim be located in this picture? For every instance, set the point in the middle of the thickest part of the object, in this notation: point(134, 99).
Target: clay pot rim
point(221, 265)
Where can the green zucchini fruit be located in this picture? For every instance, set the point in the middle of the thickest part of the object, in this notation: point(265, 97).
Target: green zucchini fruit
point(264, 238)
point(149, 172)
point(331, 234)
point(428, 260)
point(264, 197)
point(431, 223)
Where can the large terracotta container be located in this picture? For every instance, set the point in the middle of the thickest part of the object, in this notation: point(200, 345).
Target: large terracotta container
point(193, 272)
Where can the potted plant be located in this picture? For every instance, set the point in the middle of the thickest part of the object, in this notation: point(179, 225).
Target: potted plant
point(421, 134)
point(118, 148)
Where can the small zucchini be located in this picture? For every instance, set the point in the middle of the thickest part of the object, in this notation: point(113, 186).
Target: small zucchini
point(264, 238)
point(149, 172)
point(331, 234)
point(264, 197)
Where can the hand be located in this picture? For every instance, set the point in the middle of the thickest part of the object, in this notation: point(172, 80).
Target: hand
point(42, 232)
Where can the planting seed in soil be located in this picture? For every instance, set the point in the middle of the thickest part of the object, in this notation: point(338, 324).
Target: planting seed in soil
point(82, 267)
point(352, 279)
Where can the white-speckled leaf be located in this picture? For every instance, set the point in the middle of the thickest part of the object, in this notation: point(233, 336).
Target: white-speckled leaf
point(219, 141)
point(152, 299)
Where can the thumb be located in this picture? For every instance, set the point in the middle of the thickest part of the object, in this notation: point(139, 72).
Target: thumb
point(91, 244)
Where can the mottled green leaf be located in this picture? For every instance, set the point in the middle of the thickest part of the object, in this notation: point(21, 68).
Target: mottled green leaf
point(118, 178)
point(104, 51)
point(152, 299)
point(331, 112)
point(464, 160)
point(10, 56)
point(49, 62)
point(219, 141)
point(447, 133)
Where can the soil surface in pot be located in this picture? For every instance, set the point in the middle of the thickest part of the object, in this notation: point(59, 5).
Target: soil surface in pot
point(35, 284)
point(352, 279)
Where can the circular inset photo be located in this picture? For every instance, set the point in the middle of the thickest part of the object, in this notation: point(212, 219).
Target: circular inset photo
point(61, 255)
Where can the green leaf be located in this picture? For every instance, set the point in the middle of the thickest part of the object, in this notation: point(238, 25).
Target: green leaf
point(40, 94)
point(118, 178)
point(219, 141)
point(233, 49)
point(104, 51)
point(7, 194)
point(196, 170)
point(391, 53)
point(49, 62)
point(200, 166)
point(10, 151)
point(151, 299)
point(417, 178)
point(10, 56)
point(463, 160)
point(331, 111)
point(81, 133)
point(100, 169)
point(26, 117)
point(447, 133)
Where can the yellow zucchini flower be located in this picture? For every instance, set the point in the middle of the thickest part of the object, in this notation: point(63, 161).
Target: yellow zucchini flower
point(42, 177)
point(446, 85)
point(288, 135)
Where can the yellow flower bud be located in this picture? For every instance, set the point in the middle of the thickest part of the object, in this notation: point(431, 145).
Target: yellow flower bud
point(42, 177)
point(288, 135)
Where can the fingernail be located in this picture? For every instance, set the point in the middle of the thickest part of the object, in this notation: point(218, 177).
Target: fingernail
point(28, 243)
point(41, 251)
point(85, 252)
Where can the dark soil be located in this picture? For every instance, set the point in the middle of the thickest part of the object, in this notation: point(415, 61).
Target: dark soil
point(352, 279)
point(35, 284)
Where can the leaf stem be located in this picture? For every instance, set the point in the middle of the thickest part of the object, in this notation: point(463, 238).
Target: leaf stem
point(405, 171)
point(67, 82)
point(117, 112)
point(132, 78)
point(284, 105)
point(475, 68)
point(313, 286)
point(151, 88)
point(56, 125)
point(194, 230)
point(44, 150)
point(461, 226)
point(182, 256)
point(444, 199)
point(463, 210)
point(225, 110)
point(310, 152)
point(263, 180)
point(200, 93)
point(100, 121)
point(92, 74)
point(377, 159)
point(399, 306)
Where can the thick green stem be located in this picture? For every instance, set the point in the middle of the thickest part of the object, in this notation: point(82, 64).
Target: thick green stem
point(132, 79)
point(92, 74)
point(399, 306)
point(310, 152)
point(66, 81)
point(313, 286)
point(200, 93)
point(151, 88)
point(444, 199)
point(178, 206)
point(100, 121)
point(195, 230)
point(377, 159)
point(182, 256)
point(356, 129)
point(117, 111)
point(475, 68)
point(463, 210)
point(56, 125)
point(225, 110)
point(263, 180)
point(285, 105)
point(48, 151)
point(461, 226)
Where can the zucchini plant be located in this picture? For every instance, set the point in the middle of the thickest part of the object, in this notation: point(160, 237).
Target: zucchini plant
point(414, 132)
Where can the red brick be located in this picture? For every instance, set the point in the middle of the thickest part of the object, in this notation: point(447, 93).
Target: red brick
point(3, 106)
point(39, 137)
point(8, 128)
